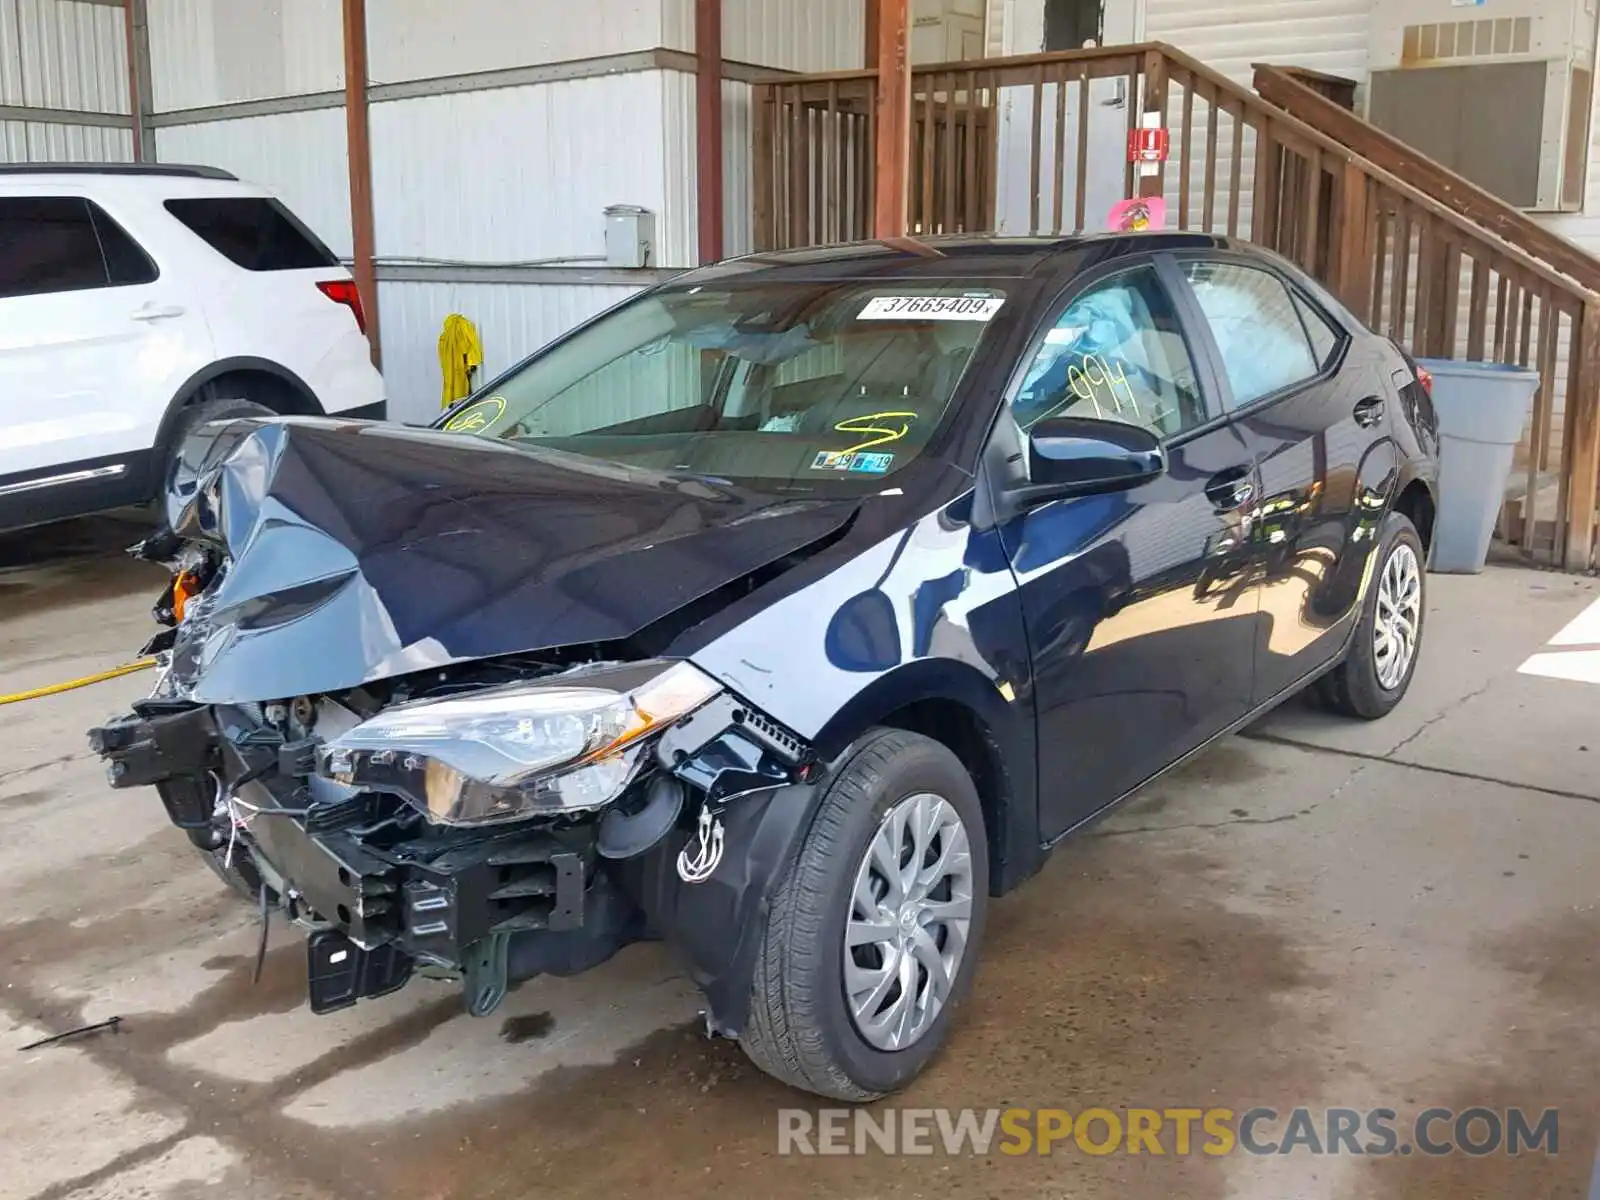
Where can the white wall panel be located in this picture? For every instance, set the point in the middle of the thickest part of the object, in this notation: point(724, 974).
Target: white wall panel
point(421, 39)
point(35, 141)
point(205, 52)
point(512, 319)
point(520, 174)
point(301, 156)
point(795, 35)
point(1229, 35)
point(63, 54)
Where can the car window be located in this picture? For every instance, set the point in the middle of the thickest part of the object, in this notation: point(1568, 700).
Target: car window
point(64, 244)
point(798, 387)
point(1264, 345)
point(253, 232)
point(1115, 352)
point(1324, 337)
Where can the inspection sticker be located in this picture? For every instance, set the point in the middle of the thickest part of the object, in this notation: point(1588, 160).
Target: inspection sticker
point(931, 308)
point(844, 460)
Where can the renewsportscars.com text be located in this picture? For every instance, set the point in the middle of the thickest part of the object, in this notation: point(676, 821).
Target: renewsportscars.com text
point(1167, 1131)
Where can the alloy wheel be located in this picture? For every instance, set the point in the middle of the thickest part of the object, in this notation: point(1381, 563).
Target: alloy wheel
point(1398, 620)
point(909, 917)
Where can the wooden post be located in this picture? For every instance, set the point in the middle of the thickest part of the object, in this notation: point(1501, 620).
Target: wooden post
point(869, 53)
point(708, 126)
point(1155, 100)
point(1352, 261)
point(893, 118)
point(360, 160)
point(1584, 453)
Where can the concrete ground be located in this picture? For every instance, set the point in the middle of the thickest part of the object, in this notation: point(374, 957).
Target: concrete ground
point(1402, 915)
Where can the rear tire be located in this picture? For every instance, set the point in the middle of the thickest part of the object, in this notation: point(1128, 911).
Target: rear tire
point(1369, 682)
point(212, 404)
point(803, 1027)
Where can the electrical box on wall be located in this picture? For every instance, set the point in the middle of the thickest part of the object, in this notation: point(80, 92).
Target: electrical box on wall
point(1499, 91)
point(630, 236)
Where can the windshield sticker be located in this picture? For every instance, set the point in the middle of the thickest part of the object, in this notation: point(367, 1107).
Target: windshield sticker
point(884, 427)
point(475, 418)
point(931, 308)
point(848, 460)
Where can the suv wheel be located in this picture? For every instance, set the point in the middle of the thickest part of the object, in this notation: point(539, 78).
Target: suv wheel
point(1377, 668)
point(873, 936)
point(210, 405)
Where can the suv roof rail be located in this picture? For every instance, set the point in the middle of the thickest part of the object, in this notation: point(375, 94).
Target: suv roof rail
point(79, 168)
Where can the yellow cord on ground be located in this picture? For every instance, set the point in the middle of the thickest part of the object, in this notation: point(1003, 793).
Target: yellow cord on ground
point(55, 688)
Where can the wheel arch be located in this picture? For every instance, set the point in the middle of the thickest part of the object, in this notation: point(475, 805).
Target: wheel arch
point(1416, 502)
point(956, 705)
point(271, 384)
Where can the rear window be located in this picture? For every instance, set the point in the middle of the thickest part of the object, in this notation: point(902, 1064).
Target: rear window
point(253, 232)
point(65, 244)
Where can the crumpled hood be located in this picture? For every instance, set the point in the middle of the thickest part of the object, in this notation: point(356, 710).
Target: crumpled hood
point(362, 551)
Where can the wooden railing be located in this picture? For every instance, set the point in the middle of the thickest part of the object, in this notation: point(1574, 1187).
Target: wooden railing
point(1436, 278)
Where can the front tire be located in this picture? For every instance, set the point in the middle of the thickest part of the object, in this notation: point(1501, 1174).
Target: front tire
point(1383, 653)
point(873, 936)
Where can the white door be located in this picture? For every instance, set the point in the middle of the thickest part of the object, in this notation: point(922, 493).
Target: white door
point(1033, 26)
point(88, 332)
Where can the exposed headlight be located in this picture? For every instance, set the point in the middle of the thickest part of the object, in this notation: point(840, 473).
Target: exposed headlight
point(564, 745)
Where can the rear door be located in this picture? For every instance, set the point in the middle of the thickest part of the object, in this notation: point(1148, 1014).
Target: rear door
point(88, 330)
point(1140, 618)
point(1313, 418)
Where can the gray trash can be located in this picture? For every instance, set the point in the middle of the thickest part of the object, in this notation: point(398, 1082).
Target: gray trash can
point(1483, 408)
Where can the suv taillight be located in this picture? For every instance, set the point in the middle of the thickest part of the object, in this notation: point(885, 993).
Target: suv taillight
point(345, 292)
point(1425, 378)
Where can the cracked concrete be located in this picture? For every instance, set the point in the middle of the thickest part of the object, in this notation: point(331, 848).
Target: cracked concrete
point(1318, 913)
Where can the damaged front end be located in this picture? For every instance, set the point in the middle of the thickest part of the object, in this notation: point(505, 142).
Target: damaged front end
point(488, 833)
point(482, 818)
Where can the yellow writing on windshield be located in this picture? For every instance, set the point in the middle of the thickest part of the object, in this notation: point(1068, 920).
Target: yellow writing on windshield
point(884, 427)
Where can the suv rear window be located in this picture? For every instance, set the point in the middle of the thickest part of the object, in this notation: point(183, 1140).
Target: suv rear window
point(65, 244)
point(253, 232)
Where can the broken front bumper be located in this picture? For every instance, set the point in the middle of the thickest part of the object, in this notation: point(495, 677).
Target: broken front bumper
point(384, 893)
point(377, 901)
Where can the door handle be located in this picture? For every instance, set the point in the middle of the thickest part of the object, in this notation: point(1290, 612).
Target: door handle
point(1120, 99)
point(1231, 489)
point(1369, 412)
point(158, 312)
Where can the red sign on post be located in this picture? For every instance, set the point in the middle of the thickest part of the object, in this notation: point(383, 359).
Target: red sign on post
point(1147, 145)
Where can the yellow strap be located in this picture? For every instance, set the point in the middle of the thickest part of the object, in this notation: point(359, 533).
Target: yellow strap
point(54, 688)
point(460, 351)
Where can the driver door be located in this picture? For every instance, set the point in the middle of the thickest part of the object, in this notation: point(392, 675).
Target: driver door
point(1140, 617)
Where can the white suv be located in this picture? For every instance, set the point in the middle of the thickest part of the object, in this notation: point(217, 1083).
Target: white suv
point(139, 301)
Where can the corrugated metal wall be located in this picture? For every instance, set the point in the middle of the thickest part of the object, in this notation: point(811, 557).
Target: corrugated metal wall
point(423, 39)
point(524, 173)
point(206, 52)
point(63, 54)
point(513, 320)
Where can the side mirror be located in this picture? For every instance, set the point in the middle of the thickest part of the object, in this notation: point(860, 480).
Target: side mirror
point(1074, 456)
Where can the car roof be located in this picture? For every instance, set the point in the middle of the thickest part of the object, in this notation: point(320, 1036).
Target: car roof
point(122, 169)
point(171, 179)
point(956, 256)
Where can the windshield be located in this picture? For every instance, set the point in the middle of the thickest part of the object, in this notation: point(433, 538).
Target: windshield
point(785, 387)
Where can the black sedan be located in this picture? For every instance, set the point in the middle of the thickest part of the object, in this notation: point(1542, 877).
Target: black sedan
point(787, 612)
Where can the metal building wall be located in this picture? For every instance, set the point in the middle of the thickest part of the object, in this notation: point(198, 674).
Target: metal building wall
point(63, 82)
